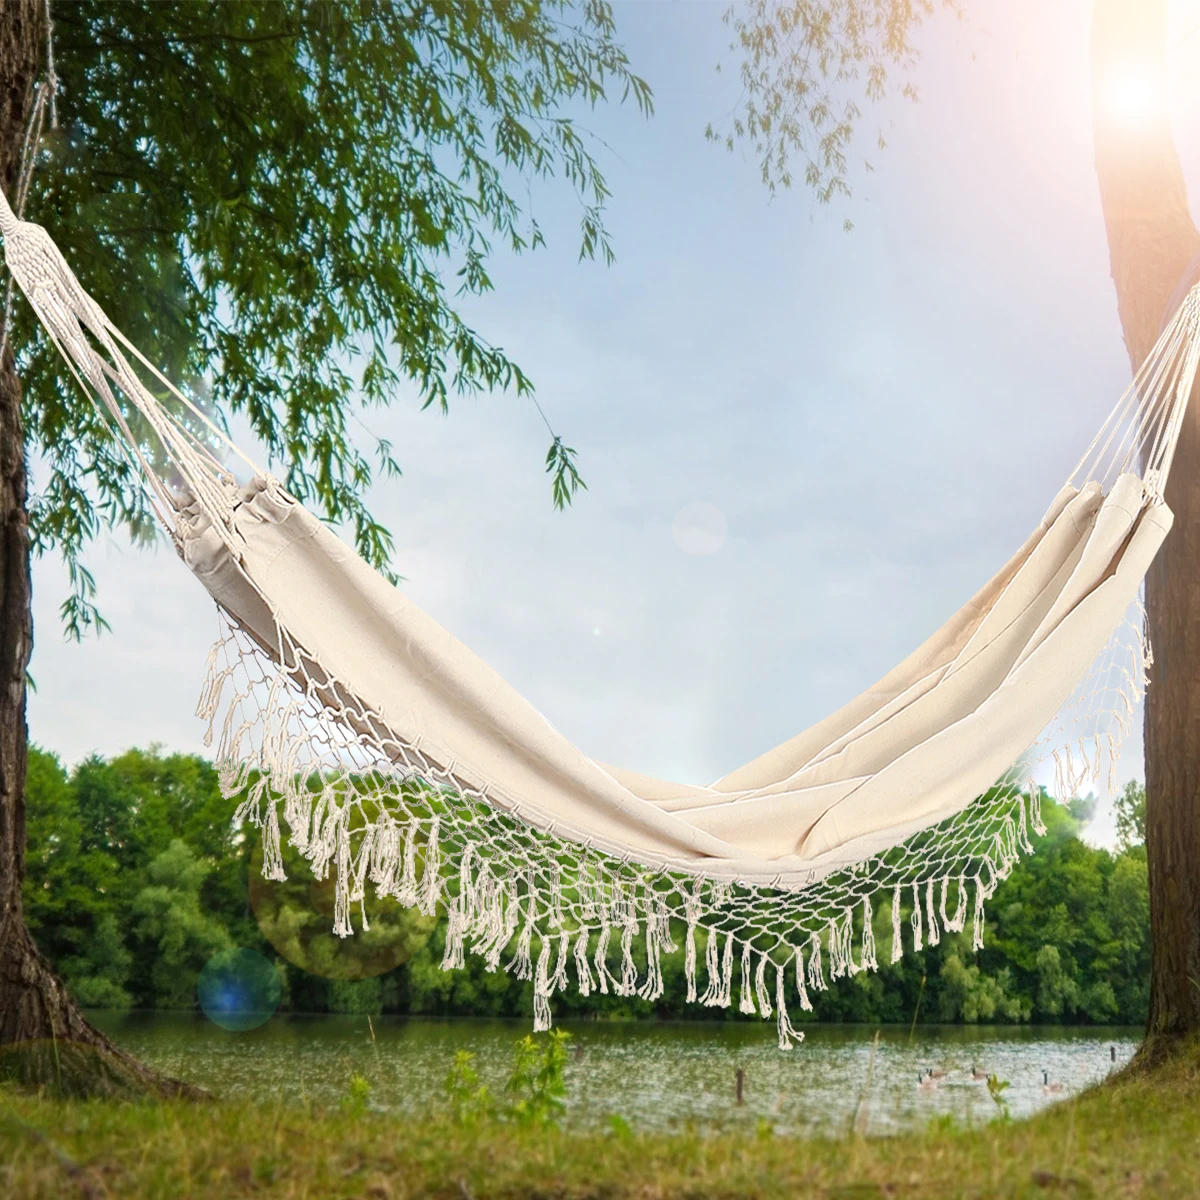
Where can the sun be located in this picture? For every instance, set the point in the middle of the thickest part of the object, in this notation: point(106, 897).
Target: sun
point(1133, 96)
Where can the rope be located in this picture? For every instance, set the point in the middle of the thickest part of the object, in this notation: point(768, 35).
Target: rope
point(47, 94)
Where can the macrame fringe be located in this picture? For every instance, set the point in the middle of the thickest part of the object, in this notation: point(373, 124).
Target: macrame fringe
point(416, 861)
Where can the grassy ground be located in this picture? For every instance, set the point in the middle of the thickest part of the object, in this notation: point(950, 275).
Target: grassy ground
point(1137, 1135)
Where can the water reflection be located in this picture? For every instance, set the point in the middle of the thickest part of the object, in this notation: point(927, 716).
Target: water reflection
point(657, 1076)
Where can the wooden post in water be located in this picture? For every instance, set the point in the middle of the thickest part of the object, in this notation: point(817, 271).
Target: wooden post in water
point(741, 1086)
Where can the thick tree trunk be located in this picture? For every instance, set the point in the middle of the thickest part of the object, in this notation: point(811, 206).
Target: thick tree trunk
point(1152, 243)
point(44, 1038)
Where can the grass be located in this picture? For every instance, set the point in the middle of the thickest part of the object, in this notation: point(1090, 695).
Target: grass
point(1136, 1135)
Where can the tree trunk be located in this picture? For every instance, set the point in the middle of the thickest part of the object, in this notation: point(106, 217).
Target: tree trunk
point(1152, 244)
point(44, 1039)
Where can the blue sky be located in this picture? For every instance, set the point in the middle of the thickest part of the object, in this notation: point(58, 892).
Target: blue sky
point(879, 418)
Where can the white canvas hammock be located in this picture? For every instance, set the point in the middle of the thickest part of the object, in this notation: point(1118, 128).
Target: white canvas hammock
point(391, 756)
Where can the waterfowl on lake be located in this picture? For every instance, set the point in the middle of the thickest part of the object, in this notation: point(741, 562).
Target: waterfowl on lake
point(1047, 1086)
point(978, 1075)
point(926, 1083)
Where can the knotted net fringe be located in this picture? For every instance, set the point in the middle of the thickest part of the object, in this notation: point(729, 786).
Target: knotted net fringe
point(311, 764)
point(373, 812)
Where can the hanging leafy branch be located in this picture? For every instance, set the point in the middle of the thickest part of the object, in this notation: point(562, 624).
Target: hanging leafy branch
point(560, 465)
point(808, 69)
point(282, 204)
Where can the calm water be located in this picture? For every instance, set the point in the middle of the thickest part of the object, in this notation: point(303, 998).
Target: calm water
point(660, 1075)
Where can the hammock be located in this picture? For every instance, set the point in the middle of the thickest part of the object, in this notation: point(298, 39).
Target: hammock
point(394, 758)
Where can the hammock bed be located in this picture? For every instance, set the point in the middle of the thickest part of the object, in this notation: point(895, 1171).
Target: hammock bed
point(392, 757)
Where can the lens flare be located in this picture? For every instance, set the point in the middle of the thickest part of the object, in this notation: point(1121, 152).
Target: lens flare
point(699, 529)
point(1133, 96)
point(239, 990)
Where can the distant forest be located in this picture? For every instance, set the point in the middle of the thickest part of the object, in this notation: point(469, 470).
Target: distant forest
point(136, 878)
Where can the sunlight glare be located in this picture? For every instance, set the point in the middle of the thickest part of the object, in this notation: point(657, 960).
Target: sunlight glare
point(1133, 95)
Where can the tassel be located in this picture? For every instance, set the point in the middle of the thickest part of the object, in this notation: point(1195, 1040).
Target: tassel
point(431, 880)
point(210, 691)
point(466, 887)
point(934, 934)
point(556, 898)
point(1006, 844)
point(582, 969)
point(805, 1002)
point(747, 1004)
point(406, 889)
point(993, 879)
point(816, 974)
point(558, 981)
point(1023, 827)
point(341, 895)
point(651, 989)
point(760, 988)
point(1061, 788)
point(601, 959)
point(359, 865)
point(453, 959)
point(385, 857)
point(507, 901)
point(272, 853)
point(1114, 753)
point(837, 960)
point(918, 945)
point(788, 1033)
point(960, 911)
point(486, 924)
point(977, 936)
point(847, 939)
point(868, 937)
point(712, 993)
point(541, 990)
point(628, 967)
point(666, 941)
point(689, 961)
point(897, 944)
point(727, 973)
point(587, 886)
point(521, 964)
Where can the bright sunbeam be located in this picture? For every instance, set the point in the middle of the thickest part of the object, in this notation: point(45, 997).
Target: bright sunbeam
point(1133, 96)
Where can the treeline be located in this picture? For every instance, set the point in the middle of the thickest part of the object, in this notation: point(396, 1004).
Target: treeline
point(136, 878)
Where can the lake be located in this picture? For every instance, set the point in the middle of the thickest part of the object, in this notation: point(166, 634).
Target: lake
point(656, 1075)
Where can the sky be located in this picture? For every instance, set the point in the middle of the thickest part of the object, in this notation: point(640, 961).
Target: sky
point(804, 448)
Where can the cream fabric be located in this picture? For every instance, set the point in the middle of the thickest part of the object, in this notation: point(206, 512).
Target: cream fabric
point(913, 749)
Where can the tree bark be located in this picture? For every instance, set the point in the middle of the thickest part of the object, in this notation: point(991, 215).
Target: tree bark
point(1152, 243)
point(44, 1039)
